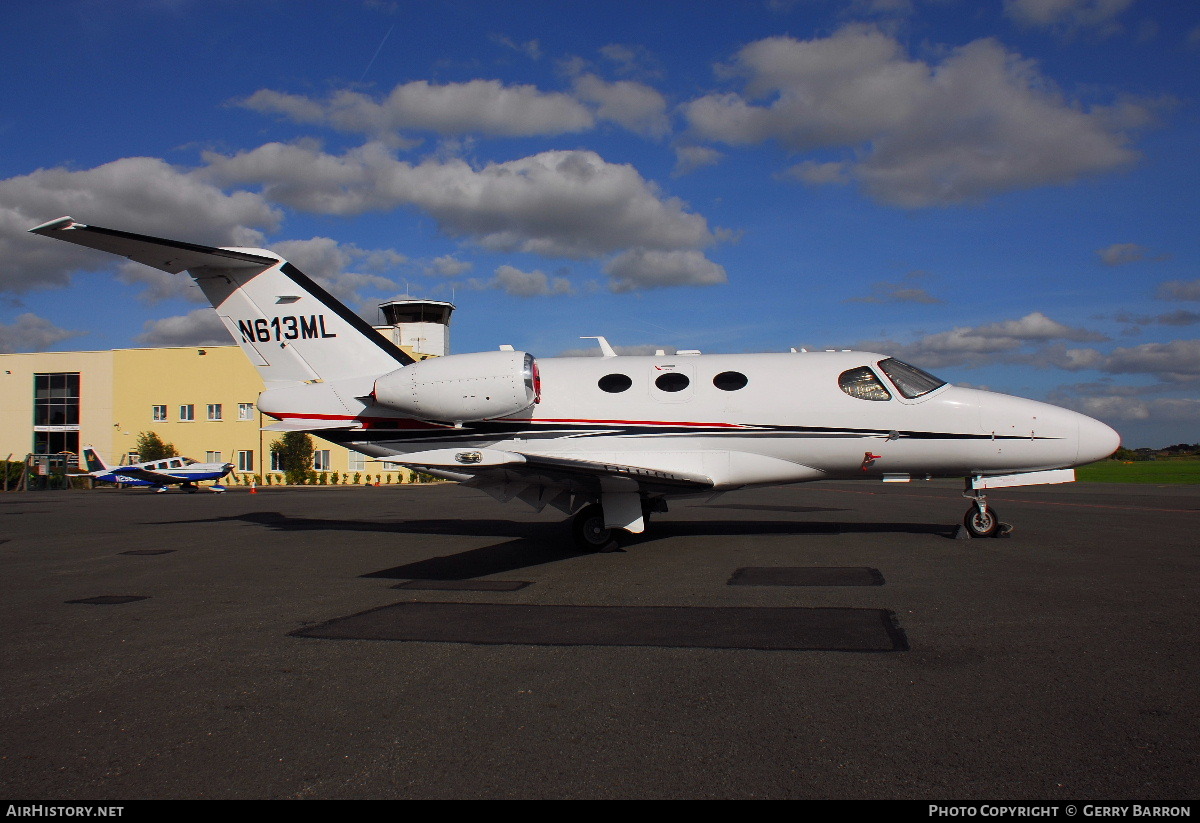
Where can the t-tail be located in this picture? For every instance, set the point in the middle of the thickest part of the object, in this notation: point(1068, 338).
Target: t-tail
point(291, 329)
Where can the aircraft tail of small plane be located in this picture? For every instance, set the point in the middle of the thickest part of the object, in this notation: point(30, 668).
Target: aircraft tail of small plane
point(289, 326)
point(93, 461)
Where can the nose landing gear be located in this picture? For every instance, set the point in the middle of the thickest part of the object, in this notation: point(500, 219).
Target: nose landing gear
point(981, 519)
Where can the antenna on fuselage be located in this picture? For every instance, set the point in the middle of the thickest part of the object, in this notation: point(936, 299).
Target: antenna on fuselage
point(605, 349)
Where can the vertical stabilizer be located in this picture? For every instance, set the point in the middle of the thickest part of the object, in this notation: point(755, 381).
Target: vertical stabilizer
point(93, 461)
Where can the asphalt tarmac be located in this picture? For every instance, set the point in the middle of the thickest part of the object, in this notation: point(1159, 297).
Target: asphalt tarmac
point(819, 641)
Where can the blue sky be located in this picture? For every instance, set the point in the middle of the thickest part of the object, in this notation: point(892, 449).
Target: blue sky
point(1004, 193)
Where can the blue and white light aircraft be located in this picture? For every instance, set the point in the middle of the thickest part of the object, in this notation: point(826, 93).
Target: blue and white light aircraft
point(610, 439)
point(158, 474)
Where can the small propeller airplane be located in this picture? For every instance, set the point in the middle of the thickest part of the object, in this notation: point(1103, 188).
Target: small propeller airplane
point(158, 474)
point(610, 439)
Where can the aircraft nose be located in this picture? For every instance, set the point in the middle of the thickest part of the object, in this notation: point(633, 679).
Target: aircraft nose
point(1096, 440)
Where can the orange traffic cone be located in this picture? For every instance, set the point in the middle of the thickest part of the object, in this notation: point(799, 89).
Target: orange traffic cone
point(253, 488)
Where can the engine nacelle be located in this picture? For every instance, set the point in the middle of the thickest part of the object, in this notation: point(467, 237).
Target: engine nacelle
point(462, 388)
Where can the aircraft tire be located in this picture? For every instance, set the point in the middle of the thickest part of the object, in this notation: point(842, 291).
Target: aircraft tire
point(587, 527)
point(982, 524)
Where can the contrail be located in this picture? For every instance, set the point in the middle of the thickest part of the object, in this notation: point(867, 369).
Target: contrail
point(376, 54)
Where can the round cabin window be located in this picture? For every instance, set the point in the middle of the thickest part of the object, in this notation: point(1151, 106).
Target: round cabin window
point(672, 381)
point(614, 383)
point(730, 381)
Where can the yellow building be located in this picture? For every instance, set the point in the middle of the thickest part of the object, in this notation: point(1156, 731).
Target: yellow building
point(201, 399)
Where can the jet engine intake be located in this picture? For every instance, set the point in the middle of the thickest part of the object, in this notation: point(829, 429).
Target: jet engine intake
point(462, 388)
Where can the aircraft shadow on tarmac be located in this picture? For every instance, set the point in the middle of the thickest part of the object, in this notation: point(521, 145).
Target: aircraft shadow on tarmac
point(536, 544)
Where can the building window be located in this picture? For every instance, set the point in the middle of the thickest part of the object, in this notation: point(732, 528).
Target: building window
point(158, 413)
point(187, 412)
point(214, 411)
point(245, 461)
point(276, 462)
point(360, 462)
point(212, 457)
point(321, 460)
point(55, 442)
point(245, 411)
point(56, 399)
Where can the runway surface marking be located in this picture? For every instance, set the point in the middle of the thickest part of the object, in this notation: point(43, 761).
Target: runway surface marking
point(806, 576)
point(711, 627)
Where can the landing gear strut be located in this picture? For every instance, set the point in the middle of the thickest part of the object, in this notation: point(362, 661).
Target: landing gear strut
point(591, 534)
point(981, 519)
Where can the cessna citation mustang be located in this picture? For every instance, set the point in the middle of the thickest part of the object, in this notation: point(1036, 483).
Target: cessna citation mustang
point(611, 438)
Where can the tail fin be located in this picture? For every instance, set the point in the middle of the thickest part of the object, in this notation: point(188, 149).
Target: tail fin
point(291, 328)
point(93, 461)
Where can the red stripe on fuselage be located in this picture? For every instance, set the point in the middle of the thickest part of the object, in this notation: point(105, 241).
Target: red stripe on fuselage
point(410, 423)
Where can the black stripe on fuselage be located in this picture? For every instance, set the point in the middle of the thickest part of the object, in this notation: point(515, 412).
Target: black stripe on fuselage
point(307, 283)
point(499, 430)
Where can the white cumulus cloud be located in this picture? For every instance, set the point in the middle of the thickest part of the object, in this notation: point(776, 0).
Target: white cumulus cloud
point(142, 193)
point(981, 121)
point(652, 269)
point(475, 107)
point(32, 333)
point(520, 283)
point(201, 327)
point(999, 341)
point(1071, 14)
point(557, 203)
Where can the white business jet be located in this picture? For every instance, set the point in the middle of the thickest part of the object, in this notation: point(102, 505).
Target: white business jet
point(610, 439)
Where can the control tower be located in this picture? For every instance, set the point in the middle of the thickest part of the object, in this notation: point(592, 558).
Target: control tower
point(420, 326)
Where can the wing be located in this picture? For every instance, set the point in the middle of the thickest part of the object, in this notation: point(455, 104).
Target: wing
point(542, 480)
point(147, 475)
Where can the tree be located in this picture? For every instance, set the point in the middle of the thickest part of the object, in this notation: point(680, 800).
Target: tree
point(295, 455)
point(151, 447)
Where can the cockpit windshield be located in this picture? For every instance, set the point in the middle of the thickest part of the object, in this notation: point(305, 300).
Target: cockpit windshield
point(911, 381)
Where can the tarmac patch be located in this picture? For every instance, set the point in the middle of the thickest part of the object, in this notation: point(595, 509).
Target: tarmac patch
point(711, 627)
point(110, 599)
point(463, 585)
point(806, 576)
point(148, 552)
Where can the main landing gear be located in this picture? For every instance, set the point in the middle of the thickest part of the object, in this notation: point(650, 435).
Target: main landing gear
point(589, 531)
point(981, 519)
point(593, 535)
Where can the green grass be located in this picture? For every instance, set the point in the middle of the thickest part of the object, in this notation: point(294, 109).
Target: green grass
point(1177, 470)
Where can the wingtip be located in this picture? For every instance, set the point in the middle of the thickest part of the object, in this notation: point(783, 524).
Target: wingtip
point(55, 225)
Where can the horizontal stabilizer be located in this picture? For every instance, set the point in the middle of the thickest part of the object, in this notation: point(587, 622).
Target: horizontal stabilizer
point(290, 327)
point(168, 255)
